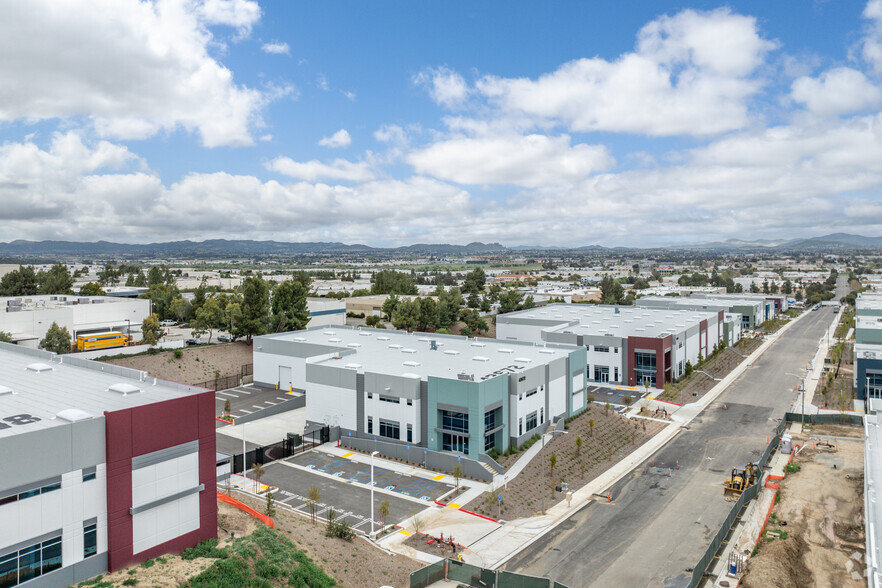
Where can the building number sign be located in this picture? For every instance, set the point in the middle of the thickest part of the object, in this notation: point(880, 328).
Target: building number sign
point(17, 419)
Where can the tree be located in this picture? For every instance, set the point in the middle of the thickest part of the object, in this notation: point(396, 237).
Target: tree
point(787, 288)
point(154, 276)
point(393, 282)
point(578, 445)
point(406, 315)
point(289, 307)
point(773, 287)
point(140, 280)
point(108, 276)
point(257, 471)
point(428, 314)
point(227, 407)
point(91, 289)
point(449, 303)
point(57, 339)
point(457, 474)
point(254, 308)
point(474, 282)
point(591, 427)
point(383, 511)
point(180, 308)
point(372, 320)
point(21, 282)
point(312, 499)
point(485, 305)
point(474, 300)
point(162, 296)
point(151, 330)
point(611, 291)
point(510, 300)
point(552, 461)
point(208, 318)
point(270, 509)
point(56, 281)
point(754, 289)
point(389, 306)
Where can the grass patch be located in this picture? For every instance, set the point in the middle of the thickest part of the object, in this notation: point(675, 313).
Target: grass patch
point(207, 548)
point(147, 563)
point(263, 559)
point(792, 468)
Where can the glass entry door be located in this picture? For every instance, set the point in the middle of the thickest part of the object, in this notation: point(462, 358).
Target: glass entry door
point(455, 443)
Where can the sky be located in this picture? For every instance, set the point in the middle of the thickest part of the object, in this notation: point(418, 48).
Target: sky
point(641, 123)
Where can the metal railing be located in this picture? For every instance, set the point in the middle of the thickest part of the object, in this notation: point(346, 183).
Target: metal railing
point(471, 575)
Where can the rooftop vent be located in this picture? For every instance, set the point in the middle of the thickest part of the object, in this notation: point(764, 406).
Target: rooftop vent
point(124, 389)
point(39, 367)
point(73, 415)
point(480, 358)
point(329, 333)
point(451, 352)
point(300, 339)
point(547, 351)
point(523, 360)
point(408, 350)
point(353, 366)
point(365, 333)
point(477, 344)
point(411, 363)
point(355, 345)
point(395, 346)
point(382, 338)
point(506, 350)
point(4, 391)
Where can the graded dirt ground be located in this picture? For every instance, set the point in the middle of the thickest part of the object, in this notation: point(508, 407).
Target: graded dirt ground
point(819, 517)
point(197, 364)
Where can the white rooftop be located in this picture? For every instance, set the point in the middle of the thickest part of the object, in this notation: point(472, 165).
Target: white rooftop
point(60, 389)
point(401, 353)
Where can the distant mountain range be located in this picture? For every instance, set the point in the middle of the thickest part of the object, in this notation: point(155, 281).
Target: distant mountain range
point(223, 248)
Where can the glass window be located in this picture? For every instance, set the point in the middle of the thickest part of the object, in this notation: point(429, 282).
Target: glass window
point(489, 420)
point(370, 395)
point(874, 385)
point(520, 426)
point(601, 373)
point(50, 488)
point(601, 348)
point(391, 399)
point(644, 367)
point(51, 555)
point(455, 421)
point(389, 429)
point(28, 563)
point(410, 433)
point(531, 392)
point(9, 570)
point(541, 415)
point(531, 421)
point(489, 442)
point(8, 499)
point(616, 374)
point(410, 402)
point(29, 493)
point(87, 477)
point(90, 540)
point(370, 425)
point(452, 442)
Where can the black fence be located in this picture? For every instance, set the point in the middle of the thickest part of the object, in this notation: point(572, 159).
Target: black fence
point(227, 382)
point(285, 448)
point(470, 575)
point(824, 418)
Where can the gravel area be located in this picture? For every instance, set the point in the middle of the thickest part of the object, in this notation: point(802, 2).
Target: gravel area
point(197, 364)
point(612, 438)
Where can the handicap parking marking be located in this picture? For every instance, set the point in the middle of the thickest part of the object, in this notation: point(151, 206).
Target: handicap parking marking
point(390, 487)
point(338, 474)
point(425, 498)
point(350, 454)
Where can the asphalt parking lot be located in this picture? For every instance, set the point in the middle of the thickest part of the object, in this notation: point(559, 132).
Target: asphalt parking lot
point(353, 471)
point(245, 400)
point(350, 502)
point(603, 394)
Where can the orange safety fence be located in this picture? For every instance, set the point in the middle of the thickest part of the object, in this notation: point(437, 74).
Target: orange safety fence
point(245, 508)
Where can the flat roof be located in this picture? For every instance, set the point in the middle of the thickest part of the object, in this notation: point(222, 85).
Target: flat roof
point(618, 321)
point(49, 301)
point(59, 389)
point(868, 322)
point(409, 354)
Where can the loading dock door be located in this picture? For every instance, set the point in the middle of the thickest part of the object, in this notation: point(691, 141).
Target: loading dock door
point(284, 377)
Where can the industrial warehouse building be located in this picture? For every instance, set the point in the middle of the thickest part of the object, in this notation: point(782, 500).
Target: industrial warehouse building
point(27, 318)
point(753, 311)
point(625, 344)
point(441, 392)
point(868, 345)
point(733, 322)
point(102, 467)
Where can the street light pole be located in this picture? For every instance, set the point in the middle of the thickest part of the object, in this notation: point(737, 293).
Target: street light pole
point(373, 532)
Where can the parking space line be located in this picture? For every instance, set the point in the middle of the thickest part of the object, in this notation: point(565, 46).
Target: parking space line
point(257, 407)
point(245, 411)
point(242, 391)
point(228, 394)
point(361, 523)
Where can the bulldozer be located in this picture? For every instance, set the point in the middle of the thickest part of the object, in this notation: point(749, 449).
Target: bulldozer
point(740, 480)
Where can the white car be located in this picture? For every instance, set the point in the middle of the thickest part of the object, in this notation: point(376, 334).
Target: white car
point(167, 324)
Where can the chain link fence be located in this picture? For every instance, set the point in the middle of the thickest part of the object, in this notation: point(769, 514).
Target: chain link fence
point(471, 575)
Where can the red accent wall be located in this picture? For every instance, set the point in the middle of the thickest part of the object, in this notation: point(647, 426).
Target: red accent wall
point(721, 318)
point(659, 345)
point(144, 429)
point(702, 345)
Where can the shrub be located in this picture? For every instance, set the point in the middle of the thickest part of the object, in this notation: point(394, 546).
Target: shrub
point(178, 354)
point(207, 548)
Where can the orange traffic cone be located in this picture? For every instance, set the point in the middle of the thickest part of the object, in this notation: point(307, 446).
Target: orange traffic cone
point(669, 472)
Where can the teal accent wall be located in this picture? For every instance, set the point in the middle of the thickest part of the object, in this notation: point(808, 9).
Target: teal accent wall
point(864, 335)
point(578, 360)
point(750, 311)
point(474, 397)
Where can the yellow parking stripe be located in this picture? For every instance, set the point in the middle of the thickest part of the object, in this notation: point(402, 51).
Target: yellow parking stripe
point(436, 478)
point(350, 454)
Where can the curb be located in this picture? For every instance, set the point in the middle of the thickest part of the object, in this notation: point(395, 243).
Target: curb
point(469, 512)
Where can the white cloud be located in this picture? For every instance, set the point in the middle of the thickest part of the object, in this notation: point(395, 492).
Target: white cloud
point(837, 91)
point(134, 68)
point(266, 138)
point(691, 74)
point(339, 139)
point(529, 161)
point(872, 41)
point(446, 87)
point(311, 171)
point(322, 83)
point(276, 48)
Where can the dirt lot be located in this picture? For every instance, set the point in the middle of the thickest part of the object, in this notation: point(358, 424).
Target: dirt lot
point(818, 518)
point(197, 364)
point(352, 564)
point(612, 438)
point(699, 383)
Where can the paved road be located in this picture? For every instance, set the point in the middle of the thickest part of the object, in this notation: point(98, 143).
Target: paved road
point(657, 526)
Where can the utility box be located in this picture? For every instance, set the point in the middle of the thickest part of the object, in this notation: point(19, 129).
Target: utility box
point(786, 444)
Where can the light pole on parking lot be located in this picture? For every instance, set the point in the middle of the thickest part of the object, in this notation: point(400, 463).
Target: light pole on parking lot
point(373, 532)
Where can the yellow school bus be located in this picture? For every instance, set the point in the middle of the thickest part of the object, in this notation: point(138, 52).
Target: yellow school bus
point(91, 341)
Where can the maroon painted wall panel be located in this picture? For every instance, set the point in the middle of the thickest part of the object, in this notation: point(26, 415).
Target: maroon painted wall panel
point(651, 343)
point(149, 428)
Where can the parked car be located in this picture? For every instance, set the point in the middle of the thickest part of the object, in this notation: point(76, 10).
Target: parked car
point(184, 325)
point(193, 341)
point(167, 324)
point(224, 339)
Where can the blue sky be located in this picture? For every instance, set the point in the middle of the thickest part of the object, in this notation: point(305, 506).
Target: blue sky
point(388, 123)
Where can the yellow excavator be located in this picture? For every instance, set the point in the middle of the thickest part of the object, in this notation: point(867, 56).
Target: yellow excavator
point(740, 480)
